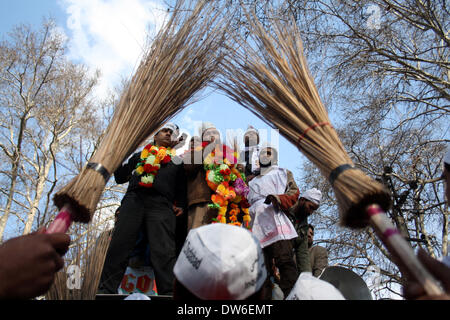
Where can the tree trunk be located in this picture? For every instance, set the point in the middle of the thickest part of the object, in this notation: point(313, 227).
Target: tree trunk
point(14, 173)
point(38, 196)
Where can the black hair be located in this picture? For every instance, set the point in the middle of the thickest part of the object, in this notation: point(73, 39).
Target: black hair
point(311, 226)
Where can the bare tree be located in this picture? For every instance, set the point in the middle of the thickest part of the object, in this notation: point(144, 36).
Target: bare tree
point(382, 68)
point(43, 99)
point(392, 54)
point(410, 165)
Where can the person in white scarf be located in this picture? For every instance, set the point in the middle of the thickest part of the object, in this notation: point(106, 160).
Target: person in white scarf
point(273, 193)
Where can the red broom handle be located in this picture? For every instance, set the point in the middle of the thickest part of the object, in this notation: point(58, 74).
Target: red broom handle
point(62, 221)
point(402, 251)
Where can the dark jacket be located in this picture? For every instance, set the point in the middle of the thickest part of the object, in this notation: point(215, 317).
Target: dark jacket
point(300, 244)
point(318, 257)
point(198, 190)
point(170, 181)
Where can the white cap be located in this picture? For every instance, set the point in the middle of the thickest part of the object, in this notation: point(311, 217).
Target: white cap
point(309, 287)
point(447, 156)
point(314, 195)
point(205, 126)
point(168, 125)
point(137, 296)
point(175, 129)
point(266, 145)
point(251, 129)
point(221, 262)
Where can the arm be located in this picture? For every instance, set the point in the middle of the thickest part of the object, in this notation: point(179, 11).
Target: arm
point(287, 200)
point(124, 172)
point(28, 264)
point(413, 290)
point(292, 211)
point(190, 167)
point(302, 252)
point(320, 261)
point(181, 188)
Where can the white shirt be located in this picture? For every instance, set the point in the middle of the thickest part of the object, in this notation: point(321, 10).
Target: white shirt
point(268, 224)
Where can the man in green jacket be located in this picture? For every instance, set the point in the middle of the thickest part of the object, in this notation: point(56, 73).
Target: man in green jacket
point(318, 255)
point(305, 206)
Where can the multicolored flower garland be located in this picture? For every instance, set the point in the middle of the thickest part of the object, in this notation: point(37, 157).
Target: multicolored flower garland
point(151, 159)
point(229, 187)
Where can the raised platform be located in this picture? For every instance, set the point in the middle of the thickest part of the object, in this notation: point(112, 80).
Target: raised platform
point(123, 296)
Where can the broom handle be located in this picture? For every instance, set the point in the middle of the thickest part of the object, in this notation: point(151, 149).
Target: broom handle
point(62, 221)
point(403, 252)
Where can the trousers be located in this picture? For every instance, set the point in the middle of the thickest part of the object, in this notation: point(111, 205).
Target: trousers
point(280, 255)
point(156, 215)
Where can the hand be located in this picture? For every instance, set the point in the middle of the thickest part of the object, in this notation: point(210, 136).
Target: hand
point(28, 264)
point(413, 290)
point(271, 199)
point(276, 273)
point(180, 142)
point(178, 211)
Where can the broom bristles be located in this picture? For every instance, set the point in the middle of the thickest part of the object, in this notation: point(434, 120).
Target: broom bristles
point(94, 267)
point(273, 81)
point(182, 60)
point(90, 253)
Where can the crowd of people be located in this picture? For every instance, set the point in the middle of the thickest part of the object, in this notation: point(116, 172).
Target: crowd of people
point(214, 225)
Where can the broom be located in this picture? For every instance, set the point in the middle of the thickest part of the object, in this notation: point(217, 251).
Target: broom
point(268, 75)
point(181, 61)
point(88, 255)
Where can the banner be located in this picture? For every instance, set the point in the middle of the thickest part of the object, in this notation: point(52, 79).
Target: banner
point(138, 280)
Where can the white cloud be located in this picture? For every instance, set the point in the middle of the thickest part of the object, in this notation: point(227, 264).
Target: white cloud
point(187, 123)
point(110, 35)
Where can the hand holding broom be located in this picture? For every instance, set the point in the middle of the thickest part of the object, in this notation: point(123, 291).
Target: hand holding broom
point(181, 61)
point(268, 75)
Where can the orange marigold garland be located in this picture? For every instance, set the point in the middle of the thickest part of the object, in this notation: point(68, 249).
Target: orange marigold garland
point(229, 187)
point(151, 159)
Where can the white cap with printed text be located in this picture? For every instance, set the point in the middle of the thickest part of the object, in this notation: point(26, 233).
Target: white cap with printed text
point(221, 262)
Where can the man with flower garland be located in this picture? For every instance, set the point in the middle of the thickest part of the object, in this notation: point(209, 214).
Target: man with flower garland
point(201, 191)
point(272, 194)
point(156, 194)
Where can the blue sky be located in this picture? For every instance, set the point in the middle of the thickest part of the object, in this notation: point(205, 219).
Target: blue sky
point(109, 35)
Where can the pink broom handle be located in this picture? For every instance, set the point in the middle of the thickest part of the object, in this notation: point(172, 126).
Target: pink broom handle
point(62, 221)
point(401, 250)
